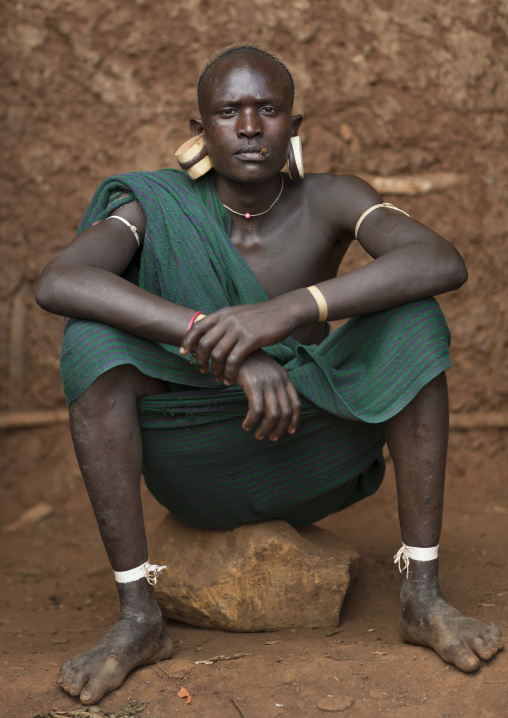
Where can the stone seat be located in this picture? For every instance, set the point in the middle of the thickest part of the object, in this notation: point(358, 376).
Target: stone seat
point(259, 577)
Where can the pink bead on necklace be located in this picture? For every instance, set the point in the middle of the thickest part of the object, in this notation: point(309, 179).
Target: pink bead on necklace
point(248, 215)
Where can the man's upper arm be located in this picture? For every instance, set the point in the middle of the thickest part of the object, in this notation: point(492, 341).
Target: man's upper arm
point(382, 229)
point(108, 245)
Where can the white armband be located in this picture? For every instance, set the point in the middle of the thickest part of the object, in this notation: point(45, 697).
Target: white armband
point(132, 228)
point(371, 209)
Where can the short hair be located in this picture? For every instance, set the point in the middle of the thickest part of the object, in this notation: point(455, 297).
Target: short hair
point(239, 49)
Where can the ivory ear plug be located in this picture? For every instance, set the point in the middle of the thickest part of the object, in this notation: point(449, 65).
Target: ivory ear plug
point(192, 157)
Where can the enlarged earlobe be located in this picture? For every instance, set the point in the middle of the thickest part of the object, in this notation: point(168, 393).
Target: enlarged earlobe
point(295, 159)
point(193, 157)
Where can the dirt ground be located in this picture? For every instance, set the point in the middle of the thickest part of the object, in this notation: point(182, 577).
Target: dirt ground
point(59, 597)
point(388, 89)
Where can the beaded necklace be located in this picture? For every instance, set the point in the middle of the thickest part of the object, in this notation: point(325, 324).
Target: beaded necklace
point(247, 215)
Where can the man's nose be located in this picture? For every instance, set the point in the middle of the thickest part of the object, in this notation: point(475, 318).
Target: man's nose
point(249, 124)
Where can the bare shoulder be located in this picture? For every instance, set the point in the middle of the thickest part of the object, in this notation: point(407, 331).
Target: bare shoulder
point(107, 245)
point(133, 212)
point(339, 199)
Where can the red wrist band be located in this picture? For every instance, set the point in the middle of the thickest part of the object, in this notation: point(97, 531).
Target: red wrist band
point(193, 319)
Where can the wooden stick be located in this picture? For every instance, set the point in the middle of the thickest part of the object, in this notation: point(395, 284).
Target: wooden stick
point(458, 422)
point(414, 184)
point(479, 420)
point(28, 419)
point(16, 346)
point(238, 707)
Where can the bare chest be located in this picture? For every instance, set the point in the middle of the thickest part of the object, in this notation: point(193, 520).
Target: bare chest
point(288, 255)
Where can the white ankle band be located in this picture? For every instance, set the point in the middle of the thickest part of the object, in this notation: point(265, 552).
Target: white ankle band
point(150, 571)
point(416, 553)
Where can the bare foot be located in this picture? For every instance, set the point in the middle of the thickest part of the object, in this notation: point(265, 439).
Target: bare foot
point(428, 620)
point(132, 642)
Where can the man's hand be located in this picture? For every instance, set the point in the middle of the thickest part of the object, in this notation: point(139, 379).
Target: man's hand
point(273, 400)
point(225, 338)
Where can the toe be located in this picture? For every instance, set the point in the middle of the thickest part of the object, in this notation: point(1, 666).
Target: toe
point(462, 657)
point(65, 666)
point(96, 688)
point(64, 679)
point(66, 673)
point(88, 699)
point(468, 662)
point(75, 686)
point(92, 692)
point(72, 679)
point(482, 649)
point(487, 641)
point(63, 685)
point(110, 678)
point(496, 637)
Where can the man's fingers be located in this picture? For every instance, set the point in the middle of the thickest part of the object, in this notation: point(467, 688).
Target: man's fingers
point(271, 414)
point(192, 337)
point(255, 399)
point(295, 402)
point(285, 414)
point(234, 361)
point(273, 399)
point(205, 345)
point(219, 354)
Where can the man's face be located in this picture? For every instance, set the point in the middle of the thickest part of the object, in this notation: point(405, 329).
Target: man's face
point(246, 107)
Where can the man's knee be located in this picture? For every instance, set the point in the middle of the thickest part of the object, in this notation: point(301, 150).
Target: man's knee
point(120, 386)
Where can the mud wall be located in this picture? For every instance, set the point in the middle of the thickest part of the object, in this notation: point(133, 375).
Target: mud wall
point(91, 89)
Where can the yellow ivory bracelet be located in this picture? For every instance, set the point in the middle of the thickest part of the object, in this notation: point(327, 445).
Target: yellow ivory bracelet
point(371, 209)
point(320, 301)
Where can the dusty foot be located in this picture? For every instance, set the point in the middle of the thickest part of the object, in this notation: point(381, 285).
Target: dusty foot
point(102, 668)
point(428, 620)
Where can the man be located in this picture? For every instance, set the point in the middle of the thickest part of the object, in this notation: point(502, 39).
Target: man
point(241, 245)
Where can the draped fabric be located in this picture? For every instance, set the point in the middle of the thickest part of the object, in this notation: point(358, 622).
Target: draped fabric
point(358, 377)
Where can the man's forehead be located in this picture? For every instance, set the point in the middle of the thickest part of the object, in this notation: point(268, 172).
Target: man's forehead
point(250, 75)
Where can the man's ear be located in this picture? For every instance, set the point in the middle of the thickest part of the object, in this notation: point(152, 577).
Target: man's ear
point(296, 121)
point(196, 126)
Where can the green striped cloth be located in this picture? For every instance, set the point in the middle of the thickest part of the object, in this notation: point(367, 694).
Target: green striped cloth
point(197, 460)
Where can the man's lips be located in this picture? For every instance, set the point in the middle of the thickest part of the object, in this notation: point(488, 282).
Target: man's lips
point(252, 152)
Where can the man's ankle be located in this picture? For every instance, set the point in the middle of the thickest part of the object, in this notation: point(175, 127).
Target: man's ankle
point(421, 585)
point(137, 601)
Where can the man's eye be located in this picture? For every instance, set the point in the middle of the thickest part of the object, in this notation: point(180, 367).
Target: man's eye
point(269, 110)
point(227, 112)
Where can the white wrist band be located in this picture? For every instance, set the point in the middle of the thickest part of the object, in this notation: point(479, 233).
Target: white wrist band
point(416, 553)
point(150, 571)
point(132, 228)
